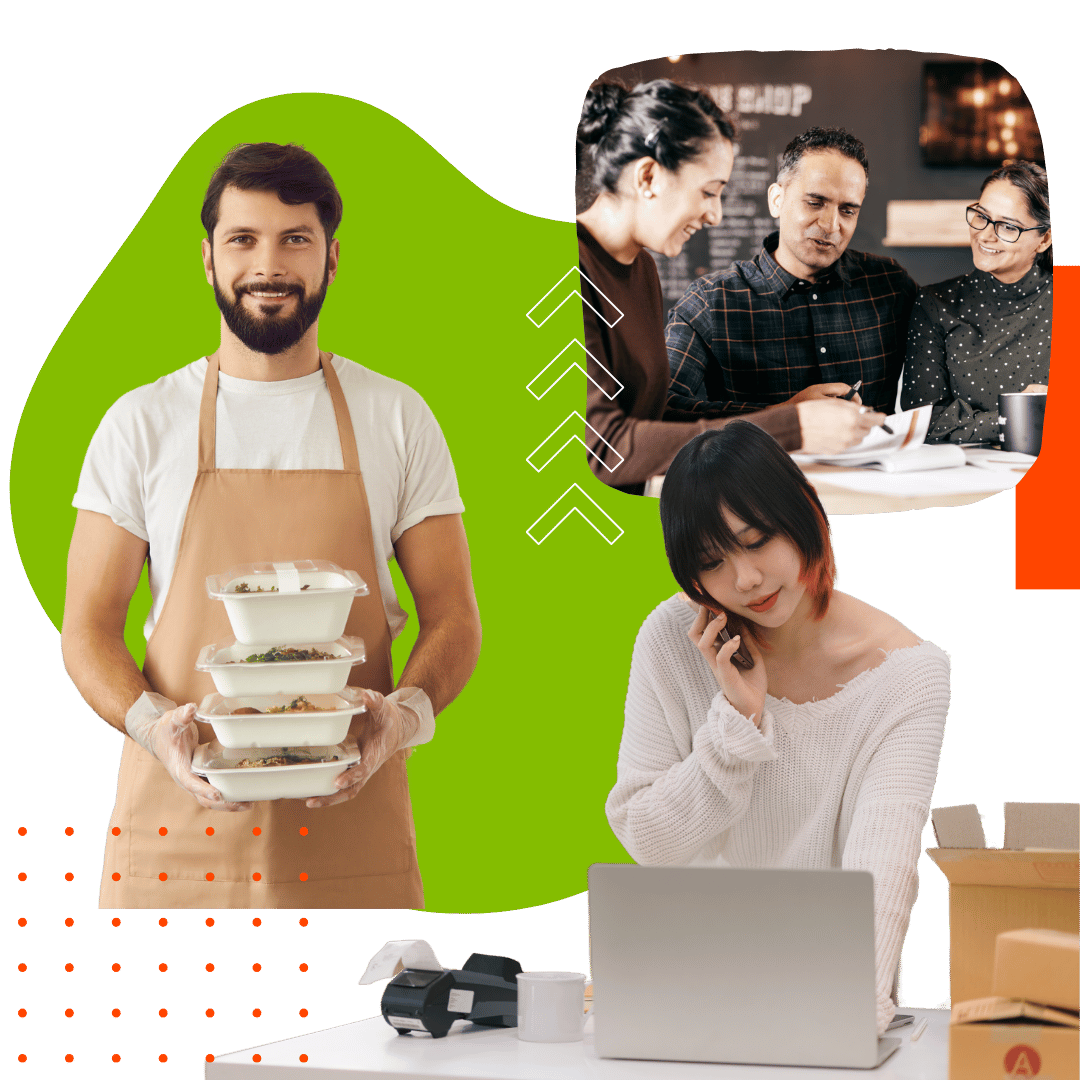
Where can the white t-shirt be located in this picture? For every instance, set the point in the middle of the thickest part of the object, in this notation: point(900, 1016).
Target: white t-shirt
point(143, 459)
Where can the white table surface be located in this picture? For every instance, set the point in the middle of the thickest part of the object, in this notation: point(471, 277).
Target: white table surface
point(370, 1050)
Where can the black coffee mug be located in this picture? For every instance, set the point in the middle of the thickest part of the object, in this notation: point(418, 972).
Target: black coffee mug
point(1020, 420)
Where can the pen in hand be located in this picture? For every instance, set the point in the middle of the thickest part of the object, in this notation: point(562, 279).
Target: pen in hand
point(852, 392)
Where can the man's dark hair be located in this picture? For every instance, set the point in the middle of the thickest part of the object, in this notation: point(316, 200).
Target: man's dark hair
point(294, 174)
point(819, 138)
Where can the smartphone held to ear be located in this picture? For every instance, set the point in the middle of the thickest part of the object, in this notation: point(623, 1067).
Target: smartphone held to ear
point(741, 657)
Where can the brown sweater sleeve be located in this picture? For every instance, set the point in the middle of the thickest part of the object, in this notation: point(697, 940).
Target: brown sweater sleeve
point(630, 424)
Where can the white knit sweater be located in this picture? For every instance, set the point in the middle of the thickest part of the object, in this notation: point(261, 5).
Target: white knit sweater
point(843, 782)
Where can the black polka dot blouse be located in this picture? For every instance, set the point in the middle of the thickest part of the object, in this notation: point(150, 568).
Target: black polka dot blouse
point(972, 338)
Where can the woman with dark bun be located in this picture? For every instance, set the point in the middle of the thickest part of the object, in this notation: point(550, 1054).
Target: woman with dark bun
point(987, 332)
point(652, 163)
point(824, 751)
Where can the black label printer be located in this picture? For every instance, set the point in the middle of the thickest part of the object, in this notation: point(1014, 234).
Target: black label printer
point(484, 992)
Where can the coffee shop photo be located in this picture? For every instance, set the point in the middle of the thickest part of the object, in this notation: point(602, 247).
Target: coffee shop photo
point(850, 250)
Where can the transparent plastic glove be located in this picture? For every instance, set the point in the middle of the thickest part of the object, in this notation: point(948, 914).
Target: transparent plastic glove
point(171, 735)
point(392, 723)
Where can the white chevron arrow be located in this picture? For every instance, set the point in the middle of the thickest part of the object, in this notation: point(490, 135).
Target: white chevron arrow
point(573, 292)
point(574, 501)
point(551, 447)
point(547, 378)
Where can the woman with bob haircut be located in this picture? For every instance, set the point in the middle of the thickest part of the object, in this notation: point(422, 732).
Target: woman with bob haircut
point(988, 332)
point(652, 164)
point(821, 754)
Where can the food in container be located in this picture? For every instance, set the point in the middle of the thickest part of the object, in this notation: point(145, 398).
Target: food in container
point(234, 675)
point(262, 720)
point(272, 603)
point(240, 777)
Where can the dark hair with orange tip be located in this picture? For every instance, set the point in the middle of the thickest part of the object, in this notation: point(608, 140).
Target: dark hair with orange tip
point(741, 469)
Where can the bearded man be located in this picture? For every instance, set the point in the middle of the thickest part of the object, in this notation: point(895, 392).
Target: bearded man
point(268, 450)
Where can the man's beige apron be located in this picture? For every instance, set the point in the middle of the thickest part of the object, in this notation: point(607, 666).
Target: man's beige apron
point(163, 849)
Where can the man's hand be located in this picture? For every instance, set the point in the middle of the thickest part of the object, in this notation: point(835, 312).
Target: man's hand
point(824, 390)
point(829, 425)
point(172, 738)
point(385, 728)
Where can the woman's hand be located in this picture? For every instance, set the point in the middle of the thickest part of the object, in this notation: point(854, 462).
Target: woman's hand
point(1035, 388)
point(744, 689)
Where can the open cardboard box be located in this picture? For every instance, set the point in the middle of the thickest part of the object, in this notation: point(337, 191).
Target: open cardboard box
point(1000, 1037)
point(1031, 882)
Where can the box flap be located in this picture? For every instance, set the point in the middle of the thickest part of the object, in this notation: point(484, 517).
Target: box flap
point(1040, 825)
point(1020, 869)
point(958, 826)
point(981, 1010)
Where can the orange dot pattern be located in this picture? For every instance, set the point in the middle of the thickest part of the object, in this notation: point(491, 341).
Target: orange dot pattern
point(69, 1012)
point(209, 922)
point(303, 1057)
point(22, 922)
point(116, 1057)
point(163, 922)
point(69, 876)
point(116, 922)
point(69, 922)
point(256, 967)
point(70, 831)
point(22, 830)
point(116, 1012)
point(22, 877)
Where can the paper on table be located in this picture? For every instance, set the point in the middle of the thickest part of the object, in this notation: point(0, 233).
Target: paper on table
point(909, 429)
point(395, 956)
point(960, 481)
point(998, 460)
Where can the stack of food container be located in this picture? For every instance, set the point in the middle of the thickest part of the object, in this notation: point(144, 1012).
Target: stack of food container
point(282, 709)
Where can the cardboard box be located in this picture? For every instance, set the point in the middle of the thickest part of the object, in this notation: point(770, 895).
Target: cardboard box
point(992, 890)
point(1038, 965)
point(996, 1037)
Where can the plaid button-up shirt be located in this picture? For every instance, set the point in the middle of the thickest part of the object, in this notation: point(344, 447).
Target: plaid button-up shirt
point(754, 335)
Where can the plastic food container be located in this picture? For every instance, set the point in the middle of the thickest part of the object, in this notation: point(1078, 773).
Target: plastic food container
point(234, 678)
point(261, 783)
point(324, 728)
point(284, 603)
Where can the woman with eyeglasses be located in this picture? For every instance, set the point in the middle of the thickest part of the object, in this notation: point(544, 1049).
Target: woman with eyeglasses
point(987, 332)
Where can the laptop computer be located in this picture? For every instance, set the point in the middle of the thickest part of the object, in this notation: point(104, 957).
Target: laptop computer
point(719, 964)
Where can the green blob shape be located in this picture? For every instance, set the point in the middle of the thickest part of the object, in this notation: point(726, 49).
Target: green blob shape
point(434, 283)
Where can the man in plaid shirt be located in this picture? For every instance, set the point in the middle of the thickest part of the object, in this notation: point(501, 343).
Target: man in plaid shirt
point(806, 318)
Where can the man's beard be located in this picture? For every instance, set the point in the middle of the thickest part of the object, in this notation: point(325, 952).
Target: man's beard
point(270, 333)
